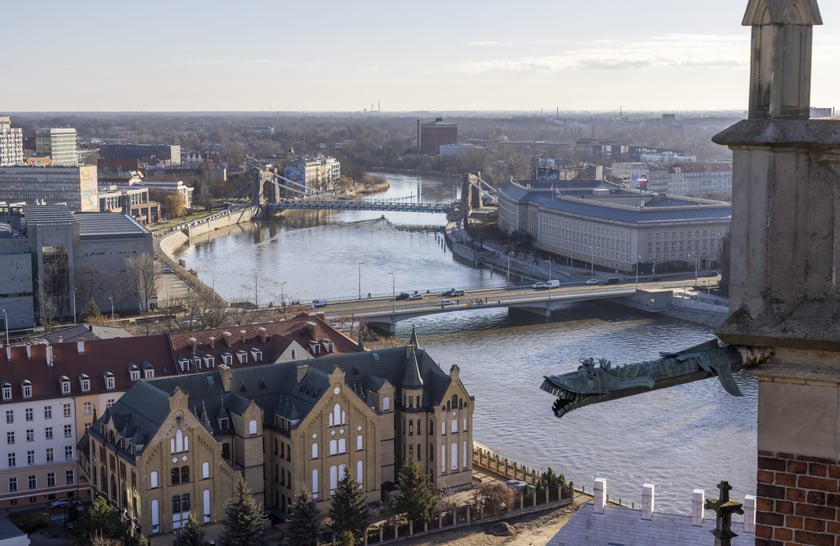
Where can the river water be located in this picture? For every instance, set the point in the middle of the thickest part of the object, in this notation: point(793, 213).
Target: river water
point(679, 439)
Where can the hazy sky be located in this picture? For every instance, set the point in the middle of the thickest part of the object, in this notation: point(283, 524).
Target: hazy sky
point(433, 55)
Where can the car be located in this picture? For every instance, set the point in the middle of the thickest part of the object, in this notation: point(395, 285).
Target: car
point(592, 281)
point(452, 293)
point(319, 303)
point(60, 503)
point(401, 296)
point(167, 270)
point(416, 297)
point(444, 303)
point(518, 486)
point(538, 285)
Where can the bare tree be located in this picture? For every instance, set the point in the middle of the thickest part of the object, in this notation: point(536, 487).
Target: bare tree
point(46, 306)
point(142, 270)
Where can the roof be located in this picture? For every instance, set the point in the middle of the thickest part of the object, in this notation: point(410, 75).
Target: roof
point(625, 527)
point(645, 207)
point(83, 331)
point(108, 225)
point(48, 214)
point(9, 530)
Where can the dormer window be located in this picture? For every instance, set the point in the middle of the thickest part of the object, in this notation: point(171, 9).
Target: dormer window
point(109, 381)
point(227, 358)
point(134, 372)
point(257, 354)
point(242, 356)
point(7, 390)
point(149, 373)
point(224, 423)
point(209, 361)
point(84, 382)
point(26, 385)
point(65, 384)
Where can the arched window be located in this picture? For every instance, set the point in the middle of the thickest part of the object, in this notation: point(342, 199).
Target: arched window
point(179, 441)
point(176, 476)
point(185, 474)
point(176, 504)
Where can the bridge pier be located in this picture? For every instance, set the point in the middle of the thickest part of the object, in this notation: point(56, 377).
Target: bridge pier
point(388, 328)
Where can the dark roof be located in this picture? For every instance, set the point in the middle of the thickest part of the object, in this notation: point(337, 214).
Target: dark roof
point(48, 214)
point(107, 225)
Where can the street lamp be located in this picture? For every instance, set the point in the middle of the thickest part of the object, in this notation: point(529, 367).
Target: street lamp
point(74, 305)
point(393, 292)
point(508, 269)
point(256, 290)
point(592, 255)
point(6, 322)
point(637, 271)
point(282, 296)
point(112, 307)
point(360, 279)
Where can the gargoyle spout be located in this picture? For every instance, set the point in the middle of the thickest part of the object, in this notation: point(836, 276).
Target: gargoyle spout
point(591, 384)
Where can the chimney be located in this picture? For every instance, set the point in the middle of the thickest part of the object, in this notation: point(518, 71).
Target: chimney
point(9, 353)
point(301, 372)
point(193, 344)
point(698, 507)
point(212, 342)
point(224, 373)
point(242, 336)
point(61, 339)
point(28, 351)
point(80, 346)
point(310, 327)
point(749, 513)
point(263, 333)
point(49, 352)
point(227, 336)
point(647, 500)
point(600, 495)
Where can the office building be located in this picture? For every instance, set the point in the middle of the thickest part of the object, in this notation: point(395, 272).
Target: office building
point(431, 135)
point(58, 144)
point(74, 186)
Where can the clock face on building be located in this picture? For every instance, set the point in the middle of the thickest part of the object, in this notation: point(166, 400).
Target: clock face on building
point(336, 390)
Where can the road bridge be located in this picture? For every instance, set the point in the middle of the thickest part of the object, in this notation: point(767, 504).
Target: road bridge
point(384, 205)
point(384, 313)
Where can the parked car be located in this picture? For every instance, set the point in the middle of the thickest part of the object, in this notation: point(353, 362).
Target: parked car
point(416, 296)
point(60, 503)
point(444, 303)
point(518, 486)
point(452, 293)
point(319, 303)
point(402, 296)
point(538, 286)
point(592, 281)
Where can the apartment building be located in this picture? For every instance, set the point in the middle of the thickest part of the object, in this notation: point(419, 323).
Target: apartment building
point(11, 143)
point(318, 172)
point(173, 446)
point(431, 135)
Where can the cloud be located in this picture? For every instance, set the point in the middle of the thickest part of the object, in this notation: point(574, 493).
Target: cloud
point(487, 43)
point(671, 50)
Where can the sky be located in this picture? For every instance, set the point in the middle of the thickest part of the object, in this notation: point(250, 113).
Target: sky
point(393, 56)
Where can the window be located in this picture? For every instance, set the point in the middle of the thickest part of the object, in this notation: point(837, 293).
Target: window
point(176, 476)
point(30, 456)
point(50, 454)
point(386, 403)
point(85, 383)
point(12, 461)
point(360, 442)
point(314, 484)
point(252, 427)
point(359, 471)
point(69, 477)
point(65, 388)
point(333, 448)
point(109, 403)
point(109, 382)
point(50, 479)
point(342, 445)
point(10, 416)
point(7, 392)
point(88, 408)
point(66, 409)
point(453, 459)
point(12, 485)
point(27, 389)
point(68, 431)
point(10, 437)
point(30, 435)
point(153, 480)
point(33, 482)
point(205, 470)
point(135, 375)
point(148, 373)
point(453, 428)
point(68, 453)
point(185, 474)
point(47, 412)
point(48, 433)
point(29, 414)
point(314, 450)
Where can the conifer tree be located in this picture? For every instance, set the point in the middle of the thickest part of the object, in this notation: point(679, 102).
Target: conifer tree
point(303, 522)
point(190, 534)
point(416, 498)
point(244, 519)
point(348, 510)
point(101, 522)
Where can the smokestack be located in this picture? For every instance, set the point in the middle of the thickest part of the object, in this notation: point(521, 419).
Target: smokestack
point(647, 500)
point(242, 336)
point(227, 336)
point(698, 507)
point(262, 333)
point(600, 495)
point(8, 353)
point(193, 344)
point(212, 342)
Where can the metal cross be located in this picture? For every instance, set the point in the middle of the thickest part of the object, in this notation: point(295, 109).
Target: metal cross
point(724, 508)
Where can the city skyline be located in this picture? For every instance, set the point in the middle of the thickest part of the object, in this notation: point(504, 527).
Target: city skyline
point(468, 56)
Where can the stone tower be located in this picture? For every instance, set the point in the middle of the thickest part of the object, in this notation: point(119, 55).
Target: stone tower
point(785, 270)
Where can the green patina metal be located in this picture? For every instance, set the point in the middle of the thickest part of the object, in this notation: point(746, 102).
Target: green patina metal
point(592, 383)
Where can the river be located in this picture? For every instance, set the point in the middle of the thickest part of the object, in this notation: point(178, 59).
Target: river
point(679, 439)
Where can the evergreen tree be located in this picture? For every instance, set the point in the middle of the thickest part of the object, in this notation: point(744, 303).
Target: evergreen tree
point(102, 523)
point(416, 498)
point(303, 522)
point(190, 534)
point(244, 519)
point(348, 510)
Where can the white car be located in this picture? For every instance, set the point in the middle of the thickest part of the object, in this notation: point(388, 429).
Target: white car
point(591, 281)
point(416, 297)
point(444, 303)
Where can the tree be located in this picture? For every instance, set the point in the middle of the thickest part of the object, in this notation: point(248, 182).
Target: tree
point(348, 510)
point(416, 498)
point(244, 519)
point(303, 522)
point(101, 523)
point(142, 270)
point(191, 534)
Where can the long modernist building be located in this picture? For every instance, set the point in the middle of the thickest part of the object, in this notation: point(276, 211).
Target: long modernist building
point(614, 228)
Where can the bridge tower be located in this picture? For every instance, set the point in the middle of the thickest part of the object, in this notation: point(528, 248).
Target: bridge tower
point(785, 270)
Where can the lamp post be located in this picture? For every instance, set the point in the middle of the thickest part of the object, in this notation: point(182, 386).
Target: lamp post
point(508, 269)
point(360, 279)
point(74, 305)
point(393, 292)
point(282, 296)
point(592, 256)
point(637, 271)
point(549, 278)
point(6, 323)
point(112, 307)
point(256, 290)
